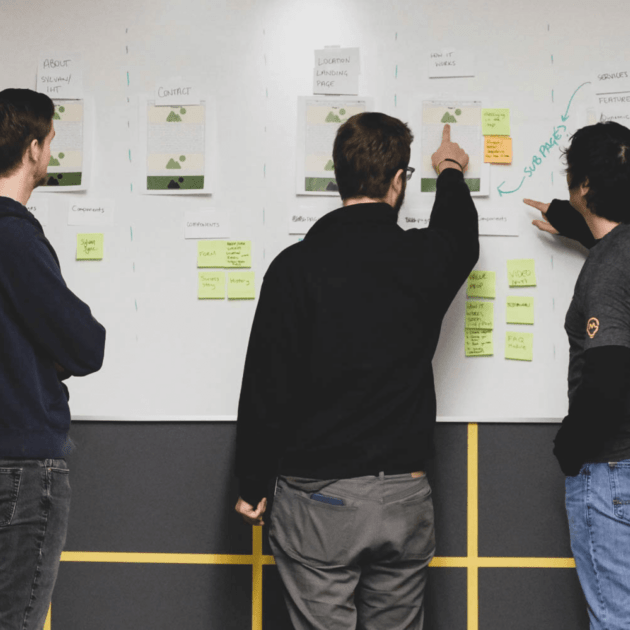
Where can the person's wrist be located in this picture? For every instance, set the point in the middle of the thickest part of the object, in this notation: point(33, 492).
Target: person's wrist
point(445, 163)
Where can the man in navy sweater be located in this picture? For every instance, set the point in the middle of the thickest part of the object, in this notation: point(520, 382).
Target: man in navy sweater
point(338, 400)
point(47, 335)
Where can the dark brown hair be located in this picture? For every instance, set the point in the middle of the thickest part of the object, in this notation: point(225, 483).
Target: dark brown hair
point(599, 157)
point(25, 116)
point(369, 149)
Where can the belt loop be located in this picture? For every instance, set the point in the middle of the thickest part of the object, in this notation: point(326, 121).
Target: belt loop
point(381, 475)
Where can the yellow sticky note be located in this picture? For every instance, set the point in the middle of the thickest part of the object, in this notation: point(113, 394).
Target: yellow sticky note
point(519, 346)
point(89, 247)
point(497, 150)
point(481, 284)
point(519, 310)
point(521, 273)
point(495, 122)
point(211, 254)
point(241, 286)
point(239, 254)
point(478, 343)
point(479, 315)
point(211, 285)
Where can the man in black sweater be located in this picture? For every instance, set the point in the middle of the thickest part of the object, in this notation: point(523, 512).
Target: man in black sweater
point(593, 443)
point(338, 400)
point(46, 335)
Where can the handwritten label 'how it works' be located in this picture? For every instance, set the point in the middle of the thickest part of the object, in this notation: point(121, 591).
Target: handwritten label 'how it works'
point(479, 315)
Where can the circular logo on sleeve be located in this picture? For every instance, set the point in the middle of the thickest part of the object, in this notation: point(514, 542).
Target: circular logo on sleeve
point(592, 326)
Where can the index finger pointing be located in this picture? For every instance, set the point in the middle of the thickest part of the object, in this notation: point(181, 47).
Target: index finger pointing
point(446, 133)
point(535, 204)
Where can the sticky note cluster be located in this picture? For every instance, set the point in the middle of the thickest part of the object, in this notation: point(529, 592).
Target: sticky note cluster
point(229, 255)
point(90, 247)
point(495, 124)
point(519, 309)
point(479, 315)
point(240, 286)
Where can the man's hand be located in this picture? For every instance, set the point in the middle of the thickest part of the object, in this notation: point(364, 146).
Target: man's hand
point(249, 514)
point(449, 150)
point(543, 224)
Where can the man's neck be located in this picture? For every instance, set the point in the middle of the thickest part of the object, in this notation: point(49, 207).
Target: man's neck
point(356, 200)
point(599, 226)
point(16, 187)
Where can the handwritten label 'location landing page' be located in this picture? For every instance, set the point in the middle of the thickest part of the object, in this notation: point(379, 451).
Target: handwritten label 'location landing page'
point(336, 71)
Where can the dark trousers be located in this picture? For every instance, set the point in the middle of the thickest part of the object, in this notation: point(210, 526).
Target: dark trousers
point(356, 555)
point(34, 508)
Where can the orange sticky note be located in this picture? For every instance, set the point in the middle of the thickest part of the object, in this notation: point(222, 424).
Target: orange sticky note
point(497, 149)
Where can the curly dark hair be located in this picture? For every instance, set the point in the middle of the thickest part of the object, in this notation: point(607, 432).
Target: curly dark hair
point(599, 157)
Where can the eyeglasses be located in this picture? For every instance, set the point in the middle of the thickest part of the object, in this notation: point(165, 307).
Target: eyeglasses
point(410, 171)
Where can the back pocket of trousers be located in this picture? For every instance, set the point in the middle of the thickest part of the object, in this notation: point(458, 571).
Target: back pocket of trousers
point(9, 490)
point(317, 533)
point(620, 488)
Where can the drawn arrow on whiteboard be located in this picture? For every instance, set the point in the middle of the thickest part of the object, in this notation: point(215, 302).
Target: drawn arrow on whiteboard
point(507, 192)
point(566, 114)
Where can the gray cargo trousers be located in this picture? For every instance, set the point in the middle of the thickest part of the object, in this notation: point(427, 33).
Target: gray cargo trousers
point(354, 553)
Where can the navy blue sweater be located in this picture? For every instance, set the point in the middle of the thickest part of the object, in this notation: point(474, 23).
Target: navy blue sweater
point(41, 323)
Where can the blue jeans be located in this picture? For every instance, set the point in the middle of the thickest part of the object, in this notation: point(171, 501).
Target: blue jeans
point(34, 507)
point(598, 507)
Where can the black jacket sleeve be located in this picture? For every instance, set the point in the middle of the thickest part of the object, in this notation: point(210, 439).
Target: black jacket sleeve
point(569, 222)
point(56, 319)
point(268, 386)
point(598, 407)
point(454, 218)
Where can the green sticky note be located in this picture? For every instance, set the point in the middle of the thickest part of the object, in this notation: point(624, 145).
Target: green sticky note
point(241, 286)
point(521, 273)
point(211, 285)
point(211, 254)
point(89, 247)
point(478, 343)
point(519, 346)
point(239, 254)
point(495, 122)
point(479, 315)
point(519, 310)
point(481, 284)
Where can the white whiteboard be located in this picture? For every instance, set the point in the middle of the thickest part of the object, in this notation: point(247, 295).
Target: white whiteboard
point(170, 355)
